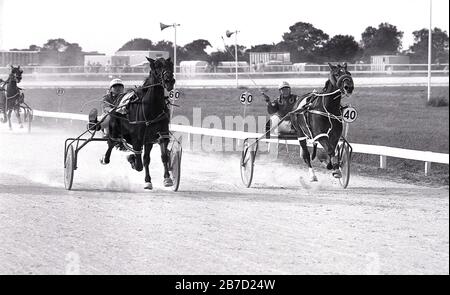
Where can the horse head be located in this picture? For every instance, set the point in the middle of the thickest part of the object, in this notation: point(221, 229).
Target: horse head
point(341, 78)
point(162, 71)
point(16, 74)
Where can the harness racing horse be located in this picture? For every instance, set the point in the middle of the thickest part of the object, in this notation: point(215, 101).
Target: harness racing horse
point(322, 120)
point(146, 121)
point(12, 97)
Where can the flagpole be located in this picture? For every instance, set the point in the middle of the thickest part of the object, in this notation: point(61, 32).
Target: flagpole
point(430, 37)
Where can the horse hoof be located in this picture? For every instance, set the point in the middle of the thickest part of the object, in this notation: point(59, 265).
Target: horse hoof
point(103, 162)
point(148, 185)
point(168, 182)
point(131, 159)
point(313, 179)
point(337, 174)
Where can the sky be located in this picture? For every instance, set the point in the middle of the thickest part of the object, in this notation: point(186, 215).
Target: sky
point(105, 25)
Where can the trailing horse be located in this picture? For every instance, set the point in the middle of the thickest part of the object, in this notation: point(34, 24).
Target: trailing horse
point(145, 121)
point(11, 98)
point(321, 120)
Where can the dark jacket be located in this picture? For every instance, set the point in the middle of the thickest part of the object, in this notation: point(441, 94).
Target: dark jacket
point(110, 100)
point(282, 106)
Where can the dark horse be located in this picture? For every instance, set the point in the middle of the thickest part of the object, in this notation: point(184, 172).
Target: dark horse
point(322, 119)
point(146, 121)
point(12, 97)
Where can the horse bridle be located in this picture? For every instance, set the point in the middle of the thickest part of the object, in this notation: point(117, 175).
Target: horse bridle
point(339, 82)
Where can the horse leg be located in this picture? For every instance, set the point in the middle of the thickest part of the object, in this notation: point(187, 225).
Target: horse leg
point(136, 159)
point(9, 119)
point(17, 111)
point(148, 179)
point(5, 116)
point(332, 159)
point(304, 153)
point(165, 159)
point(107, 157)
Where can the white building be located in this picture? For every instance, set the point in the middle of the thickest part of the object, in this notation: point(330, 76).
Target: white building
point(138, 57)
point(387, 62)
point(191, 67)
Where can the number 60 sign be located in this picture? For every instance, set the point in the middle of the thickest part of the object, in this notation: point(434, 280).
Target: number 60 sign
point(174, 94)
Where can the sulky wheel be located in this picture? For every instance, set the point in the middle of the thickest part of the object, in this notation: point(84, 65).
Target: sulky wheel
point(69, 167)
point(344, 164)
point(247, 164)
point(175, 165)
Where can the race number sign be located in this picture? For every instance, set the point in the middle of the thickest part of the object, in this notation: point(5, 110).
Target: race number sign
point(349, 114)
point(60, 91)
point(246, 98)
point(174, 94)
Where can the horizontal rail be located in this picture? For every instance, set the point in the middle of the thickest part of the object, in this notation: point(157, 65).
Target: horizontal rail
point(382, 151)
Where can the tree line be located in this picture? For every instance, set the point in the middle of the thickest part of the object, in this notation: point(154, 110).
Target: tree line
point(304, 42)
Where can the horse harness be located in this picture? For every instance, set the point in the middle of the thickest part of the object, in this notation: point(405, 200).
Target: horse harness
point(331, 117)
point(133, 100)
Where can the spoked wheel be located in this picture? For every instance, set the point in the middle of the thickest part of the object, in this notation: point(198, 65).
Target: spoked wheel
point(69, 167)
point(175, 165)
point(247, 164)
point(344, 163)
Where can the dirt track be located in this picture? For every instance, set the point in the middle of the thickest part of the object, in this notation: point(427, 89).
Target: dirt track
point(283, 225)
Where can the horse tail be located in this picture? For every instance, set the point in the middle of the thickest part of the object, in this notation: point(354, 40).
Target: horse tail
point(314, 153)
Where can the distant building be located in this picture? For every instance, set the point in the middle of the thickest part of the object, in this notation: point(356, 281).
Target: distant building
point(259, 61)
point(270, 57)
point(138, 57)
point(131, 58)
point(191, 67)
point(106, 60)
point(385, 62)
point(22, 58)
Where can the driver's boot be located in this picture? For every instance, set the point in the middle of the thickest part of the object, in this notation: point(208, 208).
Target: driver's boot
point(92, 125)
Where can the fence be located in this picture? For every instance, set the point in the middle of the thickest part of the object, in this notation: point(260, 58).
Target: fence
point(272, 69)
point(382, 151)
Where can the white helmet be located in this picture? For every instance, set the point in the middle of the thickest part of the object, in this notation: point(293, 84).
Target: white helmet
point(115, 82)
point(284, 84)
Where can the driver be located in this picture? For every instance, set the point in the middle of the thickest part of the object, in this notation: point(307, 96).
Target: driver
point(280, 107)
point(110, 100)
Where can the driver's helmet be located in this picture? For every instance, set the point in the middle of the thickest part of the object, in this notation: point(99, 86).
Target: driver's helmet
point(115, 82)
point(284, 84)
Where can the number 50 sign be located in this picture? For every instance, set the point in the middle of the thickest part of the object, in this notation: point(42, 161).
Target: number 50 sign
point(246, 98)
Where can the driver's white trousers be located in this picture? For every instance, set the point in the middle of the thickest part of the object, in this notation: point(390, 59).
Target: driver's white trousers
point(284, 127)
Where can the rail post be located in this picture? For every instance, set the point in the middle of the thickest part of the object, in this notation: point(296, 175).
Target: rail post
point(427, 168)
point(383, 162)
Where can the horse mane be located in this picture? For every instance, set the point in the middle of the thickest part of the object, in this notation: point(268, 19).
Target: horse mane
point(328, 86)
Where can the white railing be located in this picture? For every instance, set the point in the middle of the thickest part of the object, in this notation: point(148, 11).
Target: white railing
point(211, 70)
point(382, 151)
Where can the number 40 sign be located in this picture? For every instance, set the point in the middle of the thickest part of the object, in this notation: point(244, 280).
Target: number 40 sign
point(349, 114)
